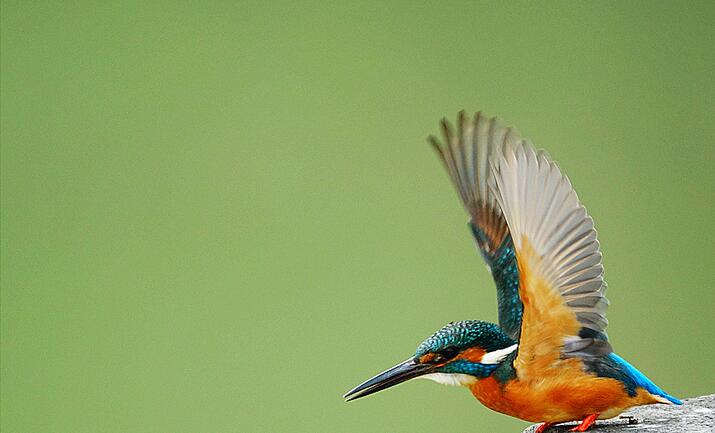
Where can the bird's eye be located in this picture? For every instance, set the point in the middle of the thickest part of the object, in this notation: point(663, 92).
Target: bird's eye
point(447, 353)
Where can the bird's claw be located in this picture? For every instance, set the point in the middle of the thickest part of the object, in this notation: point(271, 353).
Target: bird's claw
point(543, 427)
point(586, 423)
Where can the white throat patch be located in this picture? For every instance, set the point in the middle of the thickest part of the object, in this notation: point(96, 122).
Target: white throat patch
point(451, 379)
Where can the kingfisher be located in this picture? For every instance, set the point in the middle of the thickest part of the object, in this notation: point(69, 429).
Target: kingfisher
point(548, 360)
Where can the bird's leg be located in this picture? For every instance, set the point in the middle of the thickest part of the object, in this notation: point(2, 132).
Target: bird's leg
point(543, 427)
point(586, 423)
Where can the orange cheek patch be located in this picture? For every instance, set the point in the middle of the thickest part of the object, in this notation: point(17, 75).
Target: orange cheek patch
point(473, 354)
point(427, 357)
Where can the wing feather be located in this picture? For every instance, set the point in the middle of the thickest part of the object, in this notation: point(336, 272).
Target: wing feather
point(559, 258)
point(467, 154)
point(537, 239)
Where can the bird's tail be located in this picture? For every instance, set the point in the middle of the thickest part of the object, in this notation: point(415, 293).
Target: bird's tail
point(645, 383)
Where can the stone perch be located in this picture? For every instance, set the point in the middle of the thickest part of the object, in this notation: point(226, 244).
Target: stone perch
point(696, 415)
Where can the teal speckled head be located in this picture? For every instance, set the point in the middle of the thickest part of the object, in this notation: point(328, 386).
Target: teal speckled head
point(463, 348)
point(457, 354)
point(459, 336)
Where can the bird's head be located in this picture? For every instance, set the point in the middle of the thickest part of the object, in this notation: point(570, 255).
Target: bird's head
point(458, 354)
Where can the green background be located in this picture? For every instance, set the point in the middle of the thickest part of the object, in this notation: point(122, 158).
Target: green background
point(220, 217)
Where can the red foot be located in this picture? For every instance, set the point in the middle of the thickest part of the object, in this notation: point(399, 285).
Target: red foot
point(543, 427)
point(586, 423)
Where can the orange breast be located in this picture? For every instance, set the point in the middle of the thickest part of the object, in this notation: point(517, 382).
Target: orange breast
point(562, 393)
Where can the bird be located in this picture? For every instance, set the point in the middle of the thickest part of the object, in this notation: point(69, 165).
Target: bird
point(548, 360)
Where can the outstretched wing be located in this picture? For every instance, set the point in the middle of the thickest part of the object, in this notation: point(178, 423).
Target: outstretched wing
point(561, 281)
point(467, 154)
point(536, 238)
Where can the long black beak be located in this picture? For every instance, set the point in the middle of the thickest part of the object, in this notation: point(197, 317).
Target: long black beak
point(400, 373)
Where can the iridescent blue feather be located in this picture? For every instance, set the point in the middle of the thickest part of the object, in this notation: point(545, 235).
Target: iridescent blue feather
point(642, 381)
point(502, 263)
